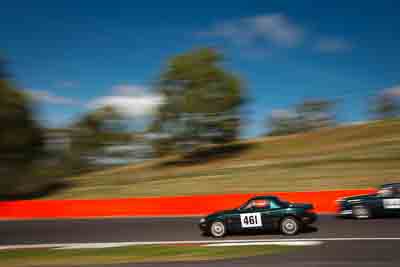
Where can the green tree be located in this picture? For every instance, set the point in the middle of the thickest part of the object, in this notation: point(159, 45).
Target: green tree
point(314, 114)
point(96, 129)
point(21, 138)
point(386, 105)
point(282, 123)
point(308, 115)
point(201, 103)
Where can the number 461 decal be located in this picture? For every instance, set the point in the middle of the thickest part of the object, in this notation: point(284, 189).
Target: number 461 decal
point(250, 220)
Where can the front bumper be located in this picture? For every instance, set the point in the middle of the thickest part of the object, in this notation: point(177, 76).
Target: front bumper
point(203, 226)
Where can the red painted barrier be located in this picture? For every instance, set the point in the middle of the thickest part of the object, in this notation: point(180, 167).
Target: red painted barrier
point(324, 202)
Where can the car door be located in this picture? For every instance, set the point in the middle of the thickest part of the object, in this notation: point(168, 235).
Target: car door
point(267, 215)
point(272, 215)
point(233, 221)
point(246, 218)
point(258, 217)
point(251, 219)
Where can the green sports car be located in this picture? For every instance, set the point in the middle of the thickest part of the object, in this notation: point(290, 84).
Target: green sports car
point(384, 203)
point(263, 213)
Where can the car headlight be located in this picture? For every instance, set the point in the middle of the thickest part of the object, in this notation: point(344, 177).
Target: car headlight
point(202, 220)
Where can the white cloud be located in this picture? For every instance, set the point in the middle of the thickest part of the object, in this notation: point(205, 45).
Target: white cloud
point(47, 97)
point(274, 28)
point(130, 100)
point(282, 113)
point(278, 29)
point(332, 45)
point(129, 89)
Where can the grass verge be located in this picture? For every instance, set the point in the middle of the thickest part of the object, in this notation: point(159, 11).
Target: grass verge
point(132, 254)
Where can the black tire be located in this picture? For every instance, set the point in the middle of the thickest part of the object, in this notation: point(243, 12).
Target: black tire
point(361, 212)
point(218, 229)
point(290, 226)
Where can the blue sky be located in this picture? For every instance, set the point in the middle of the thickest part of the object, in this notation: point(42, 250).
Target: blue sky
point(75, 55)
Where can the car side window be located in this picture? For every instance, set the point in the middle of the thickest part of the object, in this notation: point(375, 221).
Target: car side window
point(257, 204)
point(274, 205)
point(262, 204)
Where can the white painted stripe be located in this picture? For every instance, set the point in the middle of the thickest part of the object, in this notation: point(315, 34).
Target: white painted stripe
point(277, 243)
point(194, 242)
point(92, 245)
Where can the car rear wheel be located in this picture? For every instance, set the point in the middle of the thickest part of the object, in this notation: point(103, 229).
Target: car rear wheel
point(290, 226)
point(361, 212)
point(218, 229)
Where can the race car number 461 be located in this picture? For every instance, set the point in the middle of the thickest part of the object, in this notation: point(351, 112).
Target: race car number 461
point(250, 220)
point(391, 203)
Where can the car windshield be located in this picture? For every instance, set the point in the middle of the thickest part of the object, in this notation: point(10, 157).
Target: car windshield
point(245, 205)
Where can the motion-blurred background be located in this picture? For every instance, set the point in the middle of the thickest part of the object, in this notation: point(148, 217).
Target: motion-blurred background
point(122, 99)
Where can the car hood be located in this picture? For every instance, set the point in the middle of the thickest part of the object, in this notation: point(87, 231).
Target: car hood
point(305, 206)
point(221, 212)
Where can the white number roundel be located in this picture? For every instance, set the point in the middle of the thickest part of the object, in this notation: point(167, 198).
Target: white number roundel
point(249, 220)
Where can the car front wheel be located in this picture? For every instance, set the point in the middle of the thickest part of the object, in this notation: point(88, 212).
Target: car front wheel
point(218, 229)
point(290, 226)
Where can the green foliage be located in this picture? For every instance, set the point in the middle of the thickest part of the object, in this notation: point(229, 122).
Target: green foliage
point(21, 138)
point(308, 115)
point(131, 254)
point(96, 129)
point(283, 124)
point(201, 102)
point(386, 106)
point(315, 114)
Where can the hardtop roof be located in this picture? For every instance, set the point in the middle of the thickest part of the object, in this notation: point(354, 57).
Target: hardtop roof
point(265, 197)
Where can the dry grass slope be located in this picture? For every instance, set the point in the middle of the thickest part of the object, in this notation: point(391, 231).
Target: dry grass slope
point(355, 156)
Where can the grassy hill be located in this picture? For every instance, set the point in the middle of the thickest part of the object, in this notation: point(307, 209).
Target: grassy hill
point(355, 156)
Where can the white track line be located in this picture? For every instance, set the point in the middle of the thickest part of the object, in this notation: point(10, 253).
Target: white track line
point(194, 242)
point(279, 243)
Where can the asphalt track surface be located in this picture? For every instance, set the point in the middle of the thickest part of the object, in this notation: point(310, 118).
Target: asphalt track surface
point(330, 254)
point(373, 252)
